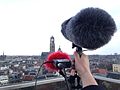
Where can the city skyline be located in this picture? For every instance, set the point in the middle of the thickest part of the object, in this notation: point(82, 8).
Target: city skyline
point(27, 25)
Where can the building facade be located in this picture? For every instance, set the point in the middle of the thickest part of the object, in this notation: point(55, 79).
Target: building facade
point(116, 67)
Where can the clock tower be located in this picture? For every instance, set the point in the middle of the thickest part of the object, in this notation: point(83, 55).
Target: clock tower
point(52, 44)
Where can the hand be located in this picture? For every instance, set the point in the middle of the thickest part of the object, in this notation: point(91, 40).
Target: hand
point(72, 72)
point(83, 69)
point(81, 63)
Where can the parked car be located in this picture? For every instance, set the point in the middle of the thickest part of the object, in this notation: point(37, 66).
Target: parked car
point(114, 75)
point(4, 80)
point(41, 77)
point(29, 76)
point(15, 78)
point(51, 75)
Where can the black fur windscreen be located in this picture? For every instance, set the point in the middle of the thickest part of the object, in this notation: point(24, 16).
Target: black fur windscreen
point(91, 28)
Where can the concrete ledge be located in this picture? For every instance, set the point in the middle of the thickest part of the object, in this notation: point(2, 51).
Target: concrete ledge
point(31, 84)
point(107, 79)
point(59, 84)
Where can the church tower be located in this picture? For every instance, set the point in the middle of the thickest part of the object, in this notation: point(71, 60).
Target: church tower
point(52, 44)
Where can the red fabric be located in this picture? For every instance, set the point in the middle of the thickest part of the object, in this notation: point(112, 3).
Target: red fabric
point(54, 56)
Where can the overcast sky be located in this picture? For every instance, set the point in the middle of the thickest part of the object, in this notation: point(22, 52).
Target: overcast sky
point(27, 25)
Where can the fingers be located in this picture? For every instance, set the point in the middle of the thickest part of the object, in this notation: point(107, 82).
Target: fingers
point(76, 56)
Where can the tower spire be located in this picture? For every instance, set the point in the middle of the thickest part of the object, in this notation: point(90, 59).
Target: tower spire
point(52, 44)
point(59, 49)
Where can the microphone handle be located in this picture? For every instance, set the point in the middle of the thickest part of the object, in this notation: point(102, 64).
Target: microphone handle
point(79, 51)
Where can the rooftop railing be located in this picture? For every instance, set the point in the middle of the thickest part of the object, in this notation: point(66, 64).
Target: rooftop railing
point(58, 83)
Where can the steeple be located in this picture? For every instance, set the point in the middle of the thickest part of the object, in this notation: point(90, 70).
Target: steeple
point(3, 56)
point(59, 49)
point(3, 53)
point(52, 44)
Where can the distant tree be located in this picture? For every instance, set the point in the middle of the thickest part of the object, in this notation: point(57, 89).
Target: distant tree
point(109, 67)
